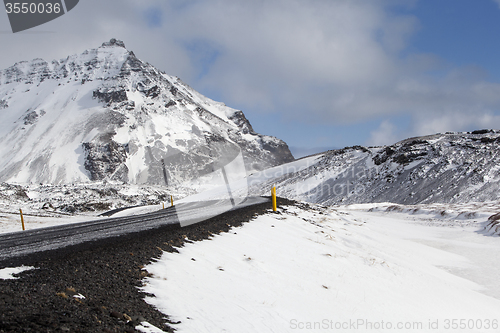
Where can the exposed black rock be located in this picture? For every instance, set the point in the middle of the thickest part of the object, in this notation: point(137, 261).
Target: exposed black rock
point(106, 160)
point(239, 119)
point(109, 96)
point(114, 42)
point(30, 118)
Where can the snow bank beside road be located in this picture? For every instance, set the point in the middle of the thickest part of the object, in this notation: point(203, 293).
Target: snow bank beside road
point(312, 268)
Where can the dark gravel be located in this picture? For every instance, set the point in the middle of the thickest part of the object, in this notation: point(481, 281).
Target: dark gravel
point(107, 272)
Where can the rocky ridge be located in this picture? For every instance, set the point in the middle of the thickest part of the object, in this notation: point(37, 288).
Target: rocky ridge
point(454, 167)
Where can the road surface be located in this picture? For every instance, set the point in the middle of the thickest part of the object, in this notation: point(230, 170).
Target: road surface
point(37, 240)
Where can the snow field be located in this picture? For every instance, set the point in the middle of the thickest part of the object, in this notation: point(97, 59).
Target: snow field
point(315, 270)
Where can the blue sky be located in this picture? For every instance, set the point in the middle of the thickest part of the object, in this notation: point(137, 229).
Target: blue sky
point(460, 31)
point(315, 73)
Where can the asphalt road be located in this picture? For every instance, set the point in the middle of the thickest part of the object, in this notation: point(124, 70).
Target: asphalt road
point(22, 243)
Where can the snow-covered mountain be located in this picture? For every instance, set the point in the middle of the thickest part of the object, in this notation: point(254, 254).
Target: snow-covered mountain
point(106, 115)
point(440, 168)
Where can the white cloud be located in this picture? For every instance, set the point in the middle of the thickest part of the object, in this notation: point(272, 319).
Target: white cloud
point(287, 52)
point(458, 120)
point(498, 2)
point(385, 134)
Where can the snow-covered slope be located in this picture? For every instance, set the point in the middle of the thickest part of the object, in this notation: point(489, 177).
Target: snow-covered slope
point(311, 269)
point(104, 114)
point(441, 168)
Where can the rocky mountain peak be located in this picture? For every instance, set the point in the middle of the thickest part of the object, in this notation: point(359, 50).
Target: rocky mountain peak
point(105, 114)
point(114, 42)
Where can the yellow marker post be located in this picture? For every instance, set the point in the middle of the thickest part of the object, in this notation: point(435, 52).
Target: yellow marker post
point(172, 201)
point(163, 204)
point(22, 219)
point(273, 195)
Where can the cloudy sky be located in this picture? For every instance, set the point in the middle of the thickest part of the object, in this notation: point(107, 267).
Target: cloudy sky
point(315, 73)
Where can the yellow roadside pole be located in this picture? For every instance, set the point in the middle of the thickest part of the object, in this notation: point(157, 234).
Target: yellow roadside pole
point(273, 195)
point(163, 204)
point(22, 219)
point(171, 201)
